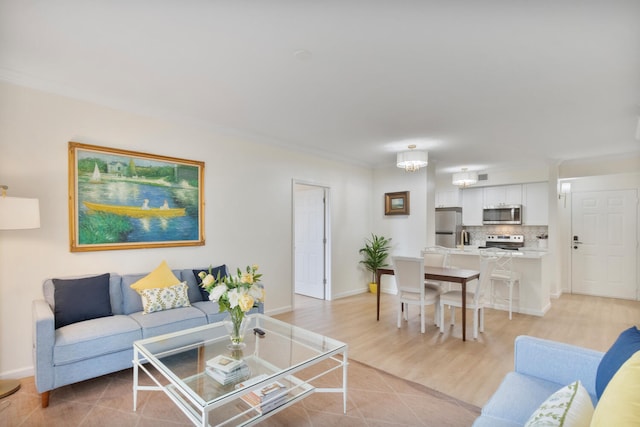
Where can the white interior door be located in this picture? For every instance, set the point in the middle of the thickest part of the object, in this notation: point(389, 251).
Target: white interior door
point(604, 243)
point(310, 241)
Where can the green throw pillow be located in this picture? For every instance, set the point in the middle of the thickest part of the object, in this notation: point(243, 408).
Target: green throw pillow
point(570, 406)
point(158, 299)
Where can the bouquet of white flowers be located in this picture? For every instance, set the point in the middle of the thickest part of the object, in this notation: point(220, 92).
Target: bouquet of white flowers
point(235, 294)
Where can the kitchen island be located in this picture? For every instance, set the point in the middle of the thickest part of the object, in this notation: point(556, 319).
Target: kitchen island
point(532, 296)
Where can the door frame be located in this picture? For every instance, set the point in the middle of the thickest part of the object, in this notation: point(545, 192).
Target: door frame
point(327, 231)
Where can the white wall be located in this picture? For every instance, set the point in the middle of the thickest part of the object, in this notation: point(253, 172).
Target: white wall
point(247, 215)
point(408, 232)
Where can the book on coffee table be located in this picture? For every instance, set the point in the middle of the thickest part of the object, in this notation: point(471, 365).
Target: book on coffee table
point(224, 363)
point(266, 398)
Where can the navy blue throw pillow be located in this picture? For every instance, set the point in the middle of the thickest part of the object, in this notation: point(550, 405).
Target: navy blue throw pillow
point(81, 299)
point(214, 271)
point(625, 346)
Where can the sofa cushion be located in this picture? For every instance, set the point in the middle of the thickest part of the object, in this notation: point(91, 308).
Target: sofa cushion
point(158, 299)
point(623, 348)
point(568, 407)
point(620, 402)
point(487, 421)
point(160, 277)
point(221, 269)
point(528, 391)
point(163, 322)
point(81, 299)
point(95, 337)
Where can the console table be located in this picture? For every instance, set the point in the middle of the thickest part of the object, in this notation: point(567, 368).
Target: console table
point(455, 275)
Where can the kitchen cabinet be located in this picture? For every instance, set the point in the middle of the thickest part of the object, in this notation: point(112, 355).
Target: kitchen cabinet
point(503, 195)
point(472, 203)
point(536, 203)
point(448, 198)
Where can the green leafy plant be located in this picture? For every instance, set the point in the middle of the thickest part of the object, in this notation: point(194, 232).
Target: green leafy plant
point(375, 253)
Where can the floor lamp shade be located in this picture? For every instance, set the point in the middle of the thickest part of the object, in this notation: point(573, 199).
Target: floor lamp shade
point(17, 213)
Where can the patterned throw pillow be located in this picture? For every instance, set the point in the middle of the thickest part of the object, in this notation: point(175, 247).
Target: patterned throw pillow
point(570, 406)
point(158, 299)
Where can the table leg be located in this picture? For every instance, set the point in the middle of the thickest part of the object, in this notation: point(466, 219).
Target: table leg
point(135, 379)
point(463, 286)
point(378, 275)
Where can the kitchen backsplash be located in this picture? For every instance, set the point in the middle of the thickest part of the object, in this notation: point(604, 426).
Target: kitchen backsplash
point(477, 235)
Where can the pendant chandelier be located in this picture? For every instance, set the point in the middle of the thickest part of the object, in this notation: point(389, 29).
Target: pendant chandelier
point(412, 160)
point(465, 178)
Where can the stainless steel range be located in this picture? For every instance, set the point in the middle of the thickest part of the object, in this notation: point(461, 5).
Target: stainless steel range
point(504, 241)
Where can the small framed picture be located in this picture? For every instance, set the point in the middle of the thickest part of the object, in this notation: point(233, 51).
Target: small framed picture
point(396, 203)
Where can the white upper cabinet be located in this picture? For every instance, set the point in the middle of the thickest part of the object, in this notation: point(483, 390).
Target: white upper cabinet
point(472, 206)
point(503, 195)
point(536, 203)
point(448, 198)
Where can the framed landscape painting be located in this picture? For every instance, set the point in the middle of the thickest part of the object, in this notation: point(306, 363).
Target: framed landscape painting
point(396, 203)
point(122, 199)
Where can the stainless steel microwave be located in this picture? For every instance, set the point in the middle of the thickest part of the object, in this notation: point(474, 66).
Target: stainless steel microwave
point(502, 214)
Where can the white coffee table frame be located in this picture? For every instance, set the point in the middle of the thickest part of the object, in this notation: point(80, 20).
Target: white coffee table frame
point(283, 351)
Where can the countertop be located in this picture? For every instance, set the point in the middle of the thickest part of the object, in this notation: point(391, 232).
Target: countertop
point(526, 252)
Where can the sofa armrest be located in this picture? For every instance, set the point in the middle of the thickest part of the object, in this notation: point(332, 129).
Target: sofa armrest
point(44, 337)
point(557, 362)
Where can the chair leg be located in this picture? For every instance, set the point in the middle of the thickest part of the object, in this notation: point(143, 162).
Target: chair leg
point(400, 315)
point(510, 298)
point(441, 313)
point(452, 309)
point(481, 314)
point(422, 316)
point(475, 324)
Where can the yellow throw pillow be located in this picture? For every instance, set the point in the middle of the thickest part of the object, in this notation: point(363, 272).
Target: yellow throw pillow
point(620, 401)
point(161, 277)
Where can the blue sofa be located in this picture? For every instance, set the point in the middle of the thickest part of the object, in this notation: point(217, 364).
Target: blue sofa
point(541, 368)
point(95, 347)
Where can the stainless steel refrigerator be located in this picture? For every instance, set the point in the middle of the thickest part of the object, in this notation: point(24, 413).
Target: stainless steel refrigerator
point(448, 226)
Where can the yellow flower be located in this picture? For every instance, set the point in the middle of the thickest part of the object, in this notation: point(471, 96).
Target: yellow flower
point(207, 280)
point(245, 302)
point(247, 278)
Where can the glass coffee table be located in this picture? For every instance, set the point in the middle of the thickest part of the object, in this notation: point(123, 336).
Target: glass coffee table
point(294, 359)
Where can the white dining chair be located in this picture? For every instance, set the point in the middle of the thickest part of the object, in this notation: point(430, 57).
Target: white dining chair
point(475, 296)
point(435, 256)
point(409, 275)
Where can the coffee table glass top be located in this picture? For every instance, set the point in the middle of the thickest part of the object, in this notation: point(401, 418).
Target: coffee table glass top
point(277, 355)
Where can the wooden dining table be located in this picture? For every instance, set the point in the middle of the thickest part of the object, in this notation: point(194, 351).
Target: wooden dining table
point(455, 275)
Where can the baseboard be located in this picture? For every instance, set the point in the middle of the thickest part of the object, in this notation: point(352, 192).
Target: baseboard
point(280, 310)
point(16, 374)
point(351, 293)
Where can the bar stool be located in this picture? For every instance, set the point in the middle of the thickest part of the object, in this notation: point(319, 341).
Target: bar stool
point(503, 272)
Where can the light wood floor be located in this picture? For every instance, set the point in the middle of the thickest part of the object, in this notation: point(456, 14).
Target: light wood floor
point(471, 370)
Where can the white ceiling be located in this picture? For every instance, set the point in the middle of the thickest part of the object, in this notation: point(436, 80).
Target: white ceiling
point(478, 83)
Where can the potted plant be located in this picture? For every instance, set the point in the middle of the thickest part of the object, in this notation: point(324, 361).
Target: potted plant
point(375, 253)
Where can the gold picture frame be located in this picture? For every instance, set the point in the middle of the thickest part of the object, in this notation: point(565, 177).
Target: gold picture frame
point(396, 203)
point(120, 199)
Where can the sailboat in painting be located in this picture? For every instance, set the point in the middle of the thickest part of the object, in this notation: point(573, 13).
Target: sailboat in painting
point(96, 174)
